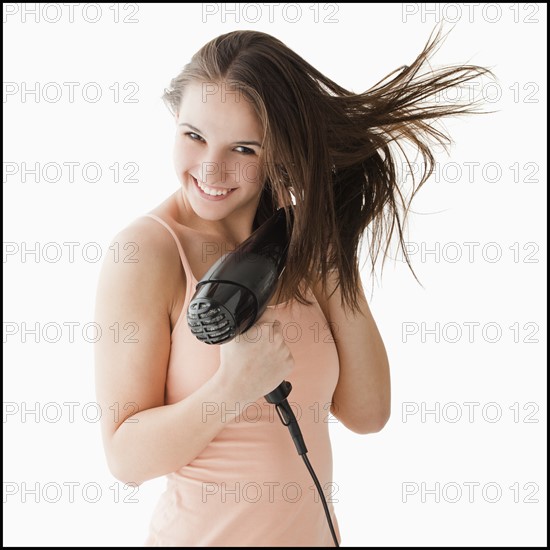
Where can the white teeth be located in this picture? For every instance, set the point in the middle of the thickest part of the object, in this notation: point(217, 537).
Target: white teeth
point(211, 192)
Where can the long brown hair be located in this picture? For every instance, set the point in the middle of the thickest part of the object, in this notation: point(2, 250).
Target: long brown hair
point(336, 152)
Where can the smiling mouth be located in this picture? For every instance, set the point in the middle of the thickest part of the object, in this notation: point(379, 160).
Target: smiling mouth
point(211, 192)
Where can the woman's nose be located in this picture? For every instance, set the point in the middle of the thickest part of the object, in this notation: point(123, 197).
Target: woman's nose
point(217, 170)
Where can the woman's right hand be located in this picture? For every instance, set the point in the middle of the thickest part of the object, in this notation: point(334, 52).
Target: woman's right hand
point(255, 362)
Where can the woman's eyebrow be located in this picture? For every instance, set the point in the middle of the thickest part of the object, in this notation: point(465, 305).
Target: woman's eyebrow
point(249, 143)
point(192, 127)
point(242, 142)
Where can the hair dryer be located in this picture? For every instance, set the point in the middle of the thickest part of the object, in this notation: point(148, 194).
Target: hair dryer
point(234, 293)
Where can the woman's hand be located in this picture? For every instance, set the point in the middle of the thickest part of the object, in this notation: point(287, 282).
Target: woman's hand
point(256, 361)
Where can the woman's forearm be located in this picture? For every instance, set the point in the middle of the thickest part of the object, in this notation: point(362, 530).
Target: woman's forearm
point(161, 440)
point(362, 399)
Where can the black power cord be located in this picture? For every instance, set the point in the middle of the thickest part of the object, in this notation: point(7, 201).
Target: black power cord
point(286, 414)
point(318, 485)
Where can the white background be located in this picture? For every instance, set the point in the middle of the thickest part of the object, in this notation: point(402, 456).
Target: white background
point(505, 215)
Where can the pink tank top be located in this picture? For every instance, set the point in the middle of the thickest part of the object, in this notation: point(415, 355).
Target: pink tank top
point(249, 486)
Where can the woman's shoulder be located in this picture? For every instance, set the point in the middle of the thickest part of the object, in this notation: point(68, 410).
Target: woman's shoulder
point(147, 243)
point(146, 233)
point(152, 228)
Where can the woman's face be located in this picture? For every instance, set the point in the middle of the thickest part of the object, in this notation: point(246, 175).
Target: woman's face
point(218, 140)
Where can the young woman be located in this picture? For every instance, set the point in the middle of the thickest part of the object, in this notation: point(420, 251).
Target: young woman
point(257, 129)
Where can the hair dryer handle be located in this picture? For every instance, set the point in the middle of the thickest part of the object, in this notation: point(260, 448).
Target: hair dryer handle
point(279, 394)
point(278, 398)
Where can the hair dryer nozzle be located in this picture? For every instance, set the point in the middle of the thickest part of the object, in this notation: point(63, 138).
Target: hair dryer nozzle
point(220, 311)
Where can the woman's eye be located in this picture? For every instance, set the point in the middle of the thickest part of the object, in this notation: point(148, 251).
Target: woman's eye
point(194, 137)
point(245, 150)
point(240, 148)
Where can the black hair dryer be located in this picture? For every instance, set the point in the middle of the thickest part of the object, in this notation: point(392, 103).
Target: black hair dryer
point(235, 292)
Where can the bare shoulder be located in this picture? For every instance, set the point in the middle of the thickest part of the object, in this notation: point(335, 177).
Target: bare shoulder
point(147, 251)
point(147, 232)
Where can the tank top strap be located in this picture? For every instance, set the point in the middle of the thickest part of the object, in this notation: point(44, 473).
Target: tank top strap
point(191, 281)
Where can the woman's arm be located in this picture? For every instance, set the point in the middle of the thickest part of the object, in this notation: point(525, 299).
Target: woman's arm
point(142, 437)
point(362, 398)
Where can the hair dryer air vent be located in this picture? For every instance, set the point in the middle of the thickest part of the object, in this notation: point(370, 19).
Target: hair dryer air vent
point(208, 322)
point(219, 311)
